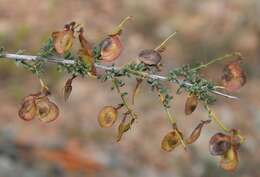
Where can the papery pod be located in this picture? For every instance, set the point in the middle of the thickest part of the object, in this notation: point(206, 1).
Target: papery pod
point(47, 111)
point(84, 43)
point(28, 109)
point(107, 116)
point(52, 114)
point(63, 40)
point(111, 48)
point(196, 132)
point(191, 104)
point(229, 161)
point(149, 57)
point(219, 144)
point(68, 88)
point(170, 141)
point(136, 89)
point(234, 77)
point(122, 128)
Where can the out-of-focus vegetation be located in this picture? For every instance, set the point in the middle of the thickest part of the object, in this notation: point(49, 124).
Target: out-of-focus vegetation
point(74, 145)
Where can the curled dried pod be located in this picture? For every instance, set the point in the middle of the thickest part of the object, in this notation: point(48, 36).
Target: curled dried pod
point(219, 144)
point(47, 111)
point(28, 108)
point(107, 116)
point(191, 104)
point(111, 48)
point(170, 141)
point(233, 76)
point(63, 40)
point(150, 57)
point(229, 161)
point(196, 132)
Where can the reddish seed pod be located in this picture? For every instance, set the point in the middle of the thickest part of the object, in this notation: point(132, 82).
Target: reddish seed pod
point(107, 116)
point(234, 77)
point(111, 48)
point(191, 104)
point(149, 57)
point(28, 109)
point(63, 40)
point(219, 144)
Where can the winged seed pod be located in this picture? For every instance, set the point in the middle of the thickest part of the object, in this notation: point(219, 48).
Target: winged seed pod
point(191, 104)
point(28, 108)
point(107, 116)
point(196, 132)
point(111, 48)
point(219, 144)
point(63, 40)
point(234, 77)
point(47, 111)
point(170, 141)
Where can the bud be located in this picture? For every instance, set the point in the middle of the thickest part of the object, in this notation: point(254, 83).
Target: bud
point(191, 104)
point(149, 57)
point(111, 48)
point(107, 116)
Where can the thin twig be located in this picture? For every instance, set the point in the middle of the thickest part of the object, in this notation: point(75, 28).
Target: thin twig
point(104, 67)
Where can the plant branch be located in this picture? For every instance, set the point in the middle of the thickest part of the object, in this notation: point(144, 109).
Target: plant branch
point(104, 67)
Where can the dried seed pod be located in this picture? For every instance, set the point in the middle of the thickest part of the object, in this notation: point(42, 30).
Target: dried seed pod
point(196, 132)
point(111, 48)
point(47, 111)
point(122, 128)
point(107, 116)
point(84, 43)
point(191, 104)
point(229, 161)
point(68, 88)
point(28, 109)
point(170, 141)
point(219, 144)
point(150, 57)
point(234, 77)
point(63, 40)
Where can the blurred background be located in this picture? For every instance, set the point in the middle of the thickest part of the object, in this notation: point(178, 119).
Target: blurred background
point(75, 145)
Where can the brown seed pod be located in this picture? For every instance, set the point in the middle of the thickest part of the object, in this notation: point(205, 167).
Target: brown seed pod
point(196, 132)
point(229, 161)
point(63, 40)
point(122, 128)
point(150, 57)
point(234, 77)
point(28, 109)
point(47, 111)
point(107, 116)
point(170, 141)
point(68, 88)
point(191, 104)
point(111, 48)
point(219, 144)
